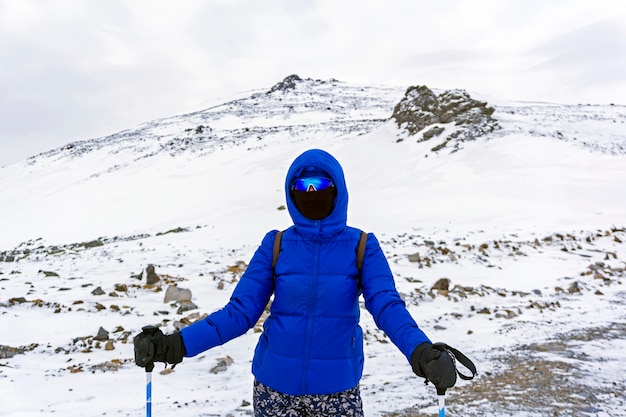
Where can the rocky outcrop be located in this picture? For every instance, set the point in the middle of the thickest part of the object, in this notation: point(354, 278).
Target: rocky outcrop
point(454, 111)
point(151, 276)
point(289, 83)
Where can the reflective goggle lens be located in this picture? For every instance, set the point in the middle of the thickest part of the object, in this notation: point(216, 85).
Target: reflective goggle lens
point(312, 184)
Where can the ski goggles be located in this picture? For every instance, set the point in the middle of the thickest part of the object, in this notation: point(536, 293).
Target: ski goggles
point(312, 184)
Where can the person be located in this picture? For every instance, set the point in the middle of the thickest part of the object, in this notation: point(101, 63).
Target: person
point(309, 358)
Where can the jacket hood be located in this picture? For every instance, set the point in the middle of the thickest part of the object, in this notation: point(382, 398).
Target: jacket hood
point(317, 160)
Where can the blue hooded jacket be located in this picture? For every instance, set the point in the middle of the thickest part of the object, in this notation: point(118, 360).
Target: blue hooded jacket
point(311, 342)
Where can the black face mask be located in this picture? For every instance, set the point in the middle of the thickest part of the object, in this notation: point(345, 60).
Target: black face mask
point(315, 205)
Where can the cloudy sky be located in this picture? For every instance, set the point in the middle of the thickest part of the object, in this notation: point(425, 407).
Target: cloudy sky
point(80, 69)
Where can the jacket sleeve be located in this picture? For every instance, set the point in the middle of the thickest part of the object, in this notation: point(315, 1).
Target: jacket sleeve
point(383, 301)
point(244, 309)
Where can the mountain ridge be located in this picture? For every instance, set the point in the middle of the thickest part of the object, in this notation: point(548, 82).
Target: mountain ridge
point(344, 109)
point(180, 156)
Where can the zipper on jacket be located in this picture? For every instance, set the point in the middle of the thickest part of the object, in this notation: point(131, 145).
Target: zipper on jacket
point(311, 317)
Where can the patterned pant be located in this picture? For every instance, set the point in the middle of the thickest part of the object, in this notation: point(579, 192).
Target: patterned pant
point(271, 403)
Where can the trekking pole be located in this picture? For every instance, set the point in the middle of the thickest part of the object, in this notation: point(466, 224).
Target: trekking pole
point(148, 393)
point(149, 331)
point(455, 355)
point(441, 400)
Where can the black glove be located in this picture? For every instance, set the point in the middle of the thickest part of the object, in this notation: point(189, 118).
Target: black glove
point(151, 345)
point(433, 362)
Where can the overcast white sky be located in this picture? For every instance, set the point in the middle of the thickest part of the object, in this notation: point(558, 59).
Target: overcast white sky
point(80, 69)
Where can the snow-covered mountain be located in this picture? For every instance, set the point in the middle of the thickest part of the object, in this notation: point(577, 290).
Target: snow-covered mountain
point(520, 206)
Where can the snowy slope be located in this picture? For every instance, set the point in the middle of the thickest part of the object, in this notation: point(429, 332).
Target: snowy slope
point(527, 223)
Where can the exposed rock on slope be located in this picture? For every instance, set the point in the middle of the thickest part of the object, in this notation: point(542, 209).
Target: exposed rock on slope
point(421, 110)
point(289, 83)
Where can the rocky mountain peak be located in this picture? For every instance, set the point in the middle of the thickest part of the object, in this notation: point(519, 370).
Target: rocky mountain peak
point(289, 83)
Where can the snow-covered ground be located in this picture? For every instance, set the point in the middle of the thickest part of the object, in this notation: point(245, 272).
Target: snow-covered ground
point(528, 224)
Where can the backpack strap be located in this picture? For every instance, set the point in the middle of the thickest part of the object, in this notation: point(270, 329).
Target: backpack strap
point(360, 252)
point(277, 239)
